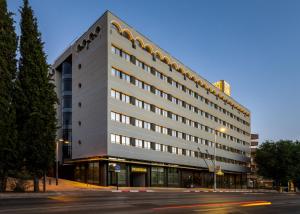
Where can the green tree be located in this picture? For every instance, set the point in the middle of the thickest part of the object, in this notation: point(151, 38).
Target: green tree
point(35, 100)
point(278, 161)
point(8, 47)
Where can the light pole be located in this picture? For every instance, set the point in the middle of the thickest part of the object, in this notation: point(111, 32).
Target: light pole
point(222, 130)
point(57, 144)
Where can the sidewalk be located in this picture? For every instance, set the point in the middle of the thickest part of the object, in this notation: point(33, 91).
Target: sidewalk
point(71, 187)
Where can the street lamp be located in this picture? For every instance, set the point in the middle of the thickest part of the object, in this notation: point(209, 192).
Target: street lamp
point(57, 144)
point(222, 130)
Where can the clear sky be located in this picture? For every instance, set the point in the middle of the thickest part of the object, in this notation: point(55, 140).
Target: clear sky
point(253, 44)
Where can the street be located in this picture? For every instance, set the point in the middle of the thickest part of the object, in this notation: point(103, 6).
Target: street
point(153, 202)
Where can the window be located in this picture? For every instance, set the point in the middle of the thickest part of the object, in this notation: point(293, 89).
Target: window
point(67, 84)
point(147, 125)
point(139, 103)
point(158, 129)
point(67, 101)
point(179, 135)
point(157, 175)
point(157, 147)
point(179, 151)
point(115, 50)
point(147, 145)
point(174, 150)
point(115, 138)
point(164, 148)
point(126, 77)
point(147, 87)
point(157, 110)
point(165, 131)
point(174, 117)
point(147, 106)
point(139, 83)
point(125, 98)
point(125, 141)
point(173, 133)
point(115, 73)
point(164, 113)
point(138, 143)
point(138, 123)
point(113, 116)
point(126, 56)
point(67, 118)
point(125, 119)
point(147, 68)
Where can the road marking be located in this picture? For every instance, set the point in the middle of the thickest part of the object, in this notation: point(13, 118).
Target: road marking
point(257, 204)
point(249, 203)
point(253, 193)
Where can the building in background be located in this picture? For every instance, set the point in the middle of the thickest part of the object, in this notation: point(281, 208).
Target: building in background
point(136, 116)
point(257, 181)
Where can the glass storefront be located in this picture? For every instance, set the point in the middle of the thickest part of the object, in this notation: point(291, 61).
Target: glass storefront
point(112, 175)
point(173, 177)
point(93, 173)
point(141, 175)
point(157, 176)
point(79, 174)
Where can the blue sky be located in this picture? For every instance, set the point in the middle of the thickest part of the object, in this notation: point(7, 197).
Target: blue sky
point(254, 45)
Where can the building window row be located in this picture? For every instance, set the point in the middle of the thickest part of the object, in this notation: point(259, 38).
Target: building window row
point(138, 143)
point(178, 85)
point(168, 114)
point(171, 98)
point(167, 131)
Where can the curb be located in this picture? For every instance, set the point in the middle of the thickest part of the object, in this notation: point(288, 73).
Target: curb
point(132, 190)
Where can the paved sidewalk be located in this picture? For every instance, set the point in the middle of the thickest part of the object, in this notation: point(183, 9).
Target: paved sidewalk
point(73, 187)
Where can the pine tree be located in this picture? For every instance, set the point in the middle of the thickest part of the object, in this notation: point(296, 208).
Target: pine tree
point(8, 47)
point(35, 100)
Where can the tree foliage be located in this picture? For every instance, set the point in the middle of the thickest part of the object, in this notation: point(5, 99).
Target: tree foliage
point(279, 161)
point(8, 47)
point(35, 99)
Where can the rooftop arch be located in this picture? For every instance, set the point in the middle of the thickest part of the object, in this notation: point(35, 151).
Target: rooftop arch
point(158, 55)
point(148, 48)
point(174, 65)
point(116, 25)
point(140, 42)
point(127, 33)
point(166, 60)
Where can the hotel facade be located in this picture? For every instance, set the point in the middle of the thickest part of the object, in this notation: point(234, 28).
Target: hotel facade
point(126, 102)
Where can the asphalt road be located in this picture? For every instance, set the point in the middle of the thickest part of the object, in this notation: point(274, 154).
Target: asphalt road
point(154, 202)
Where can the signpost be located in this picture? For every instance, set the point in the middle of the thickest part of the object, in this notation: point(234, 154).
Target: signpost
point(117, 171)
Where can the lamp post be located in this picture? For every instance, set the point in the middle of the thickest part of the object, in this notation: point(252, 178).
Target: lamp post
point(57, 145)
point(222, 130)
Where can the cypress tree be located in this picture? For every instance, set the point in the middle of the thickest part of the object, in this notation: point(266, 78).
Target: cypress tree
point(8, 47)
point(36, 98)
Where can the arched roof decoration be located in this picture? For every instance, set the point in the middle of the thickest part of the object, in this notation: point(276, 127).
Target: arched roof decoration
point(180, 70)
point(187, 74)
point(116, 25)
point(166, 60)
point(148, 48)
point(158, 55)
point(126, 33)
point(140, 42)
point(174, 65)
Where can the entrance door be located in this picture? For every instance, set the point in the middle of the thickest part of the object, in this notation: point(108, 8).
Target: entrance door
point(138, 179)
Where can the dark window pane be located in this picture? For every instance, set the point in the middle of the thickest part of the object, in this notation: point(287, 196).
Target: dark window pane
point(67, 101)
point(67, 84)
